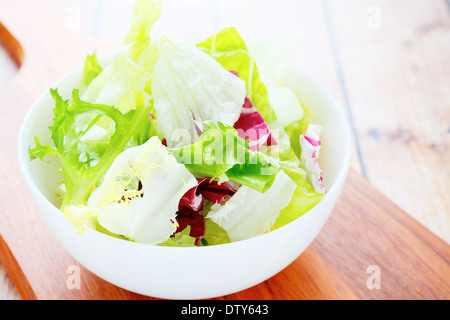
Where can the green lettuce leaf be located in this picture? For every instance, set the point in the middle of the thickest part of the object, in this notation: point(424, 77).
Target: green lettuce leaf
point(125, 82)
point(214, 234)
point(91, 69)
point(121, 84)
point(180, 239)
point(228, 48)
point(221, 153)
point(295, 129)
point(145, 14)
point(98, 227)
point(305, 197)
point(80, 172)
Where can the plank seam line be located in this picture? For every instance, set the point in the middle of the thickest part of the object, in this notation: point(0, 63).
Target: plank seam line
point(447, 2)
point(329, 25)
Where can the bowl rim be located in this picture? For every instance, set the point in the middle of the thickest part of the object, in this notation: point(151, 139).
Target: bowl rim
point(333, 191)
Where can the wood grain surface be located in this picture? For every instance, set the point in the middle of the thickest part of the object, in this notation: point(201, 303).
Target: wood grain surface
point(386, 66)
point(397, 75)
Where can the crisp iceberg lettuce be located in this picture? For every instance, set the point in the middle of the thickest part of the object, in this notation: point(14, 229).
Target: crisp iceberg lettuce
point(230, 50)
point(273, 58)
point(188, 84)
point(91, 70)
point(124, 83)
point(121, 84)
point(145, 14)
point(145, 213)
point(250, 213)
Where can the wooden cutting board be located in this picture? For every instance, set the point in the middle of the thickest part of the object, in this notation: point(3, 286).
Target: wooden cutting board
point(369, 248)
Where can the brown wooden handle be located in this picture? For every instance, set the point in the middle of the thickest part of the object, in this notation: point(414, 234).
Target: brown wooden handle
point(12, 46)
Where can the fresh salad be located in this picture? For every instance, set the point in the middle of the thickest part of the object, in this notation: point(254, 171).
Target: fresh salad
point(178, 144)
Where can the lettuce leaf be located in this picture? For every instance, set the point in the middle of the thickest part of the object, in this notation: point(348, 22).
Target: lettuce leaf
point(119, 179)
point(180, 239)
point(144, 211)
point(250, 213)
point(81, 173)
point(92, 134)
point(192, 204)
point(228, 48)
point(98, 227)
point(193, 219)
point(188, 84)
point(191, 201)
point(120, 84)
point(214, 234)
point(273, 58)
point(145, 14)
point(295, 130)
point(206, 189)
point(221, 153)
point(91, 70)
point(124, 83)
point(304, 197)
point(214, 191)
point(311, 144)
point(251, 125)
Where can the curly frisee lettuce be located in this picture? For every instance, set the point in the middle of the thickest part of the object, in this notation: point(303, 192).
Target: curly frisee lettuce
point(84, 164)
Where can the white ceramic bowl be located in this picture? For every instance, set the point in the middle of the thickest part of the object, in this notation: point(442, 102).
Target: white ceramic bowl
point(213, 271)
